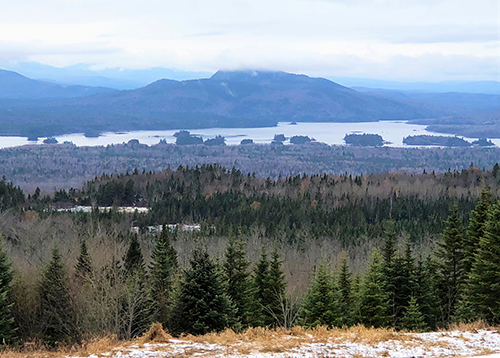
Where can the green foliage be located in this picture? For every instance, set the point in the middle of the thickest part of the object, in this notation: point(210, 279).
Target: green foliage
point(413, 319)
point(202, 304)
point(237, 281)
point(133, 260)
point(344, 287)
point(321, 306)
point(451, 255)
point(476, 228)
point(426, 292)
point(403, 283)
point(374, 305)
point(83, 267)
point(163, 268)
point(10, 196)
point(275, 291)
point(482, 290)
point(6, 319)
point(56, 311)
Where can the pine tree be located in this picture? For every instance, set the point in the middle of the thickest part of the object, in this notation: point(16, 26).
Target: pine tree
point(476, 228)
point(482, 290)
point(320, 304)
point(202, 303)
point(55, 307)
point(344, 286)
point(83, 267)
point(162, 270)
point(374, 305)
point(237, 282)
point(451, 265)
point(6, 319)
point(413, 319)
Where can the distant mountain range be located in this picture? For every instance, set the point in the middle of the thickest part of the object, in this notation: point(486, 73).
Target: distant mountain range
point(118, 78)
point(227, 99)
point(14, 85)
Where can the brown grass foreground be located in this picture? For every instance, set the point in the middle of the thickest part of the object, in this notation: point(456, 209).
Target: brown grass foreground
point(256, 339)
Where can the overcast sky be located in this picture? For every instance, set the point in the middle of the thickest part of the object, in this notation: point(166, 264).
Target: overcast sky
point(427, 40)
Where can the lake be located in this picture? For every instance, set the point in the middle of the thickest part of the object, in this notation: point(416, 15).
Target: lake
point(330, 133)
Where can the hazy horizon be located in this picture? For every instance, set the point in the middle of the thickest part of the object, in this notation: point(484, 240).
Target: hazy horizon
point(406, 41)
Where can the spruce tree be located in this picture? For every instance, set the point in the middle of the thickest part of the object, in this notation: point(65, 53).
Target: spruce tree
point(451, 265)
point(237, 282)
point(482, 290)
point(320, 304)
point(83, 267)
point(202, 304)
point(356, 298)
point(404, 283)
point(413, 319)
point(163, 267)
point(374, 306)
point(133, 259)
point(344, 286)
point(476, 228)
point(389, 266)
point(6, 319)
point(260, 283)
point(57, 316)
point(426, 292)
point(137, 303)
point(275, 291)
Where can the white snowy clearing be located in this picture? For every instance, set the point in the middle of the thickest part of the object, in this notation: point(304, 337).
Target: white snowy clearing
point(484, 343)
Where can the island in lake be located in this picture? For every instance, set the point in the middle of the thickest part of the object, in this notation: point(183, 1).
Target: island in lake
point(364, 140)
point(436, 140)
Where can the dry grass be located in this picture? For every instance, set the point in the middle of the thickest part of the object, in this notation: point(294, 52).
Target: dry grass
point(250, 340)
point(155, 334)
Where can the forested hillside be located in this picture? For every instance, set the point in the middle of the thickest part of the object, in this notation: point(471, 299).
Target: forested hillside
point(414, 252)
point(65, 166)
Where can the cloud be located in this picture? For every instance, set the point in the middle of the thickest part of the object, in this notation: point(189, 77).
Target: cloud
point(360, 37)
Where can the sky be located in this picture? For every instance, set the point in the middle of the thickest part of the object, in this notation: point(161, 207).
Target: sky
point(417, 40)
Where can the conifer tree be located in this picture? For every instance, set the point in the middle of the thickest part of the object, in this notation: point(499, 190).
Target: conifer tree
point(137, 303)
point(56, 311)
point(374, 299)
point(404, 283)
point(426, 292)
point(476, 228)
point(163, 268)
point(451, 265)
point(237, 282)
point(482, 290)
point(260, 283)
point(389, 266)
point(6, 319)
point(133, 259)
point(83, 267)
point(344, 286)
point(413, 319)
point(356, 298)
point(202, 304)
point(320, 304)
point(275, 291)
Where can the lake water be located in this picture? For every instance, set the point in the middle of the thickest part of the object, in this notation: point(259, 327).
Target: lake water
point(330, 133)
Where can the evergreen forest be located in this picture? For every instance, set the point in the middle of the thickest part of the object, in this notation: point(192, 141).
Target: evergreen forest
point(415, 252)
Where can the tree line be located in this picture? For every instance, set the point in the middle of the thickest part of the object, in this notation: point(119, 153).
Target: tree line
point(123, 296)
